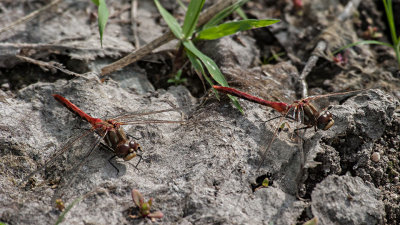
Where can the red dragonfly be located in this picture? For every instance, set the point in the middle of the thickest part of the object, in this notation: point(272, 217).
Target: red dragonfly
point(110, 130)
point(301, 111)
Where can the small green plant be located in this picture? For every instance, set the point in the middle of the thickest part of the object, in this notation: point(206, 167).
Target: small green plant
point(65, 210)
point(273, 57)
point(102, 17)
point(209, 31)
point(265, 182)
point(313, 221)
point(144, 207)
point(177, 80)
point(60, 204)
point(395, 39)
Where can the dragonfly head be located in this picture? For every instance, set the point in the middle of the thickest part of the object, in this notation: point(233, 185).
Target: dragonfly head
point(129, 150)
point(325, 121)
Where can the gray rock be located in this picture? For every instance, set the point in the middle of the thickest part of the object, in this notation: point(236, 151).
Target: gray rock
point(197, 172)
point(347, 200)
point(228, 52)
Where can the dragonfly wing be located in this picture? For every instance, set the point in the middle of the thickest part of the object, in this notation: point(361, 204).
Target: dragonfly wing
point(338, 94)
point(323, 102)
point(144, 113)
point(276, 131)
point(78, 161)
point(150, 121)
point(54, 158)
point(150, 117)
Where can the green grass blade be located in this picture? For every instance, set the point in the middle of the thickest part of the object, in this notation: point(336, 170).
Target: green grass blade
point(196, 63)
point(370, 42)
point(191, 17)
point(233, 27)
point(397, 51)
point(223, 14)
point(212, 68)
point(389, 15)
point(398, 41)
point(96, 2)
point(170, 20)
point(103, 18)
point(241, 13)
point(69, 207)
point(180, 3)
point(398, 44)
point(236, 103)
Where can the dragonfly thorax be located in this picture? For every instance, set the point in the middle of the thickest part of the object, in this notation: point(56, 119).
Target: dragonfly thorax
point(124, 148)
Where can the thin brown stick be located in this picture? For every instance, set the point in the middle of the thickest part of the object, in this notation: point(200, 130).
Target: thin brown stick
point(48, 65)
point(148, 48)
point(16, 47)
point(321, 46)
point(30, 16)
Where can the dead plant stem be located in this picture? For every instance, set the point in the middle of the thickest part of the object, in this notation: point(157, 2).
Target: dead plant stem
point(321, 46)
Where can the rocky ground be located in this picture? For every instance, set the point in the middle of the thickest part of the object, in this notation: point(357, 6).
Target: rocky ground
point(207, 169)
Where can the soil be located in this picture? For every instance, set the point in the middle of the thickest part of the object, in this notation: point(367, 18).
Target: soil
point(210, 169)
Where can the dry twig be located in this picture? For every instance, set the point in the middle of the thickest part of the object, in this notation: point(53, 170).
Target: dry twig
point(321, 46)
point(48, 65)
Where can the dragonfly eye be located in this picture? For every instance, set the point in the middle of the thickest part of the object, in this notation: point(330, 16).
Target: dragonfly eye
point(135, 146)
point(132, 149)
point(325, 121)
point(125, 151)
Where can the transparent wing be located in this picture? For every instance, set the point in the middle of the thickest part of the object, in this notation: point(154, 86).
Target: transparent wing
point(322, 102)
point(55, 157)
point(129, 116)
point(73, 168)
point(150, 121)
point(339, 94)
point(276, 131)
point(150, 117)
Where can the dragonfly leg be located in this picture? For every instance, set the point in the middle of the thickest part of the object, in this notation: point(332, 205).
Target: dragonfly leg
point(138, 155)
point(277, 117)
point(140, 159)
point(106, 147)
point(109, 160)
point(274, 118)
point(295, 131)
point(132, 137)
point(302, 128)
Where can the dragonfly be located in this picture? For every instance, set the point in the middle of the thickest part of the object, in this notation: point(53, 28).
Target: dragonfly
point(302, 111)
point(111, 131)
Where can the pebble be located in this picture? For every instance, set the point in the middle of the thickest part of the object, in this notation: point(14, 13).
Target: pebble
point(375, 157)
point(5, 86)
